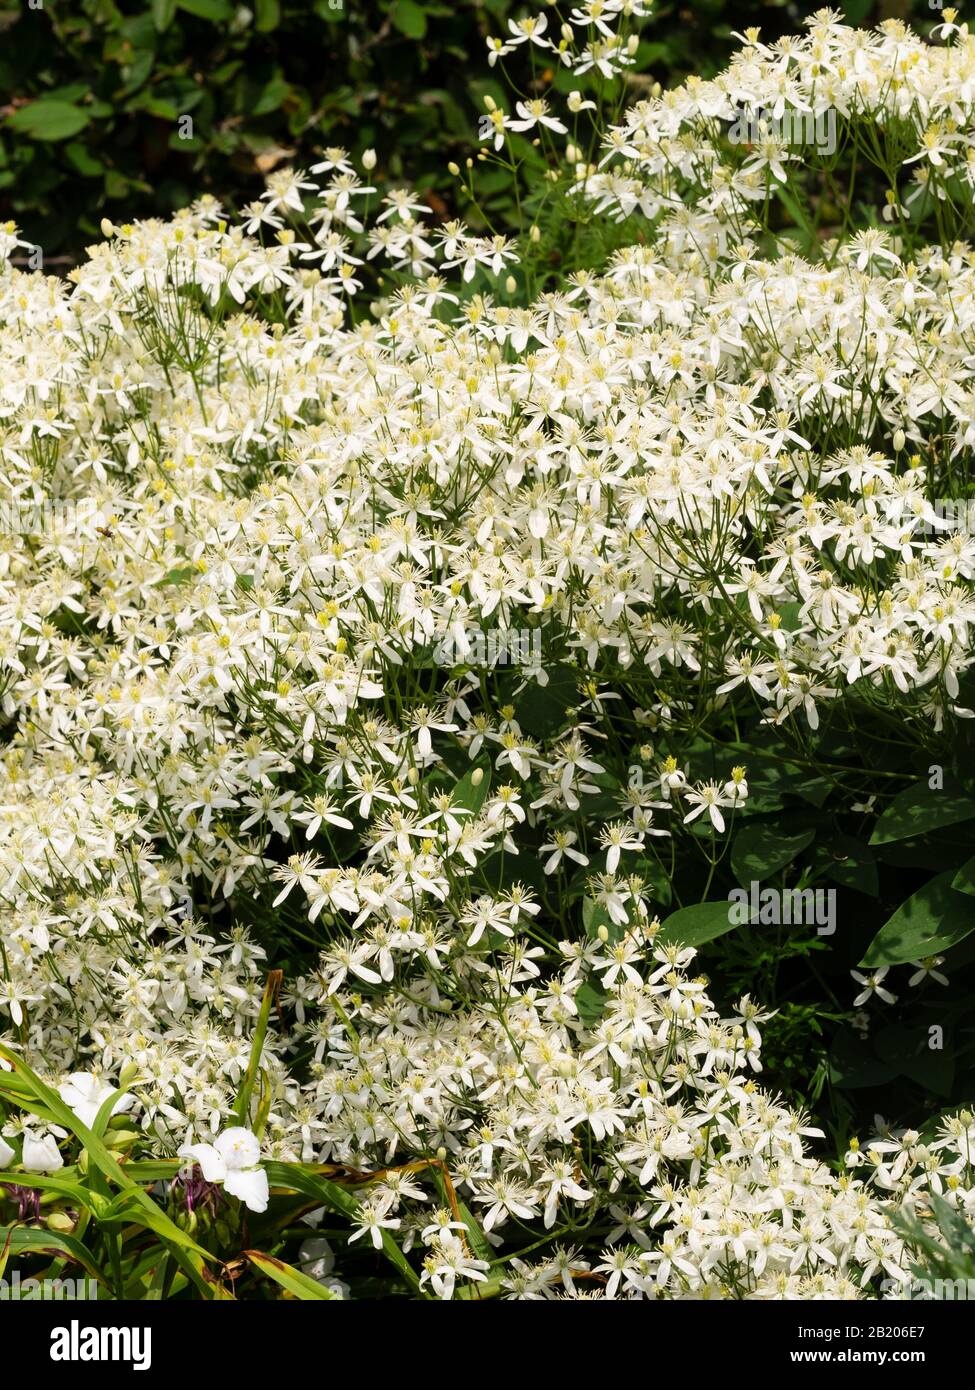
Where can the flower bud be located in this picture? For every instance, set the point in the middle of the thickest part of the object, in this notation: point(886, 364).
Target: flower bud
point(368, 159)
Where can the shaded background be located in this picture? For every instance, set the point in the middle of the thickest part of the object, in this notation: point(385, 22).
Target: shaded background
point(94, 94)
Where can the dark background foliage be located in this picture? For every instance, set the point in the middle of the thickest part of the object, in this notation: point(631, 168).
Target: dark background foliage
point(92, 92)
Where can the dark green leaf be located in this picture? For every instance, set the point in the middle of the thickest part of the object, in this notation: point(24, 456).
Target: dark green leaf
point(49, 120)
point(692, 926)
point(409, 18)
point(268, 15)
point(931, 920)
point(920, 809)
point(217, 11)
point(759, 851)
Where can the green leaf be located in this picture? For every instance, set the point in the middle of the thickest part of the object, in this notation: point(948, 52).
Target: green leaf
point(217, 11)
point(856, 11)
point(468, 796)
point(66, 1187)
point(964, 879)
point(183, 575)
point(694, 925)
point(30, 1240)
point(271, 97)
point(759, 851)
point(301, 1285)
point(591, 1003)
point(243, 1107)
point(920, 809)
point(268, 14)
point(848, 861)
point(162, 14)
point(930, 921)
point(595, 915)
point(49, 120)
point(476, 1238)
point(332, 11)
point(82, 159)
point(409, 19)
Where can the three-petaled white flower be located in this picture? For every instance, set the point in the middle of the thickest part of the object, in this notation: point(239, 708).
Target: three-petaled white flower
point(40, 1152)
point(233, 1159)
point(86, 1095)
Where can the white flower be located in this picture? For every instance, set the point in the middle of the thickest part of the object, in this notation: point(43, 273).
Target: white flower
point(7, 1154)
point(707, 797)
point(372, 1220)
point(41, 1153)
point(232, 1159)
point(85, 1094)
point(927, 969)
point(872, 984)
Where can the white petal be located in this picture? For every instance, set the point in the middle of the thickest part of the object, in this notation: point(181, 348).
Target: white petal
point(250, 1185)
point(41, 1155)
point(209, 1159)
point(239, 1148)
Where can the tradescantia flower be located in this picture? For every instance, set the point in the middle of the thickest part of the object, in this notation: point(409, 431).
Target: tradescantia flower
point(40, 1153)
point(86, 1095)
point(233, 1159)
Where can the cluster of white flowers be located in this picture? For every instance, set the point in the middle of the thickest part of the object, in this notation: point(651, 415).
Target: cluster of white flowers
point(238, 515)
point(671, 153)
